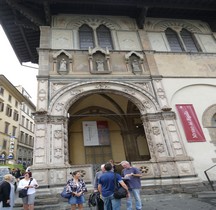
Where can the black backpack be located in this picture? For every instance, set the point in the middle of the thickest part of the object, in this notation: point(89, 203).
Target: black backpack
point(94, 199)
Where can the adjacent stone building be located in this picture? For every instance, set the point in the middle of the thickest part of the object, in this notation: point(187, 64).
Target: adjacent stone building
point(16, 124)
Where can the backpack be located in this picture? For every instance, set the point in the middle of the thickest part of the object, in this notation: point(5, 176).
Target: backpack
point(94, 199)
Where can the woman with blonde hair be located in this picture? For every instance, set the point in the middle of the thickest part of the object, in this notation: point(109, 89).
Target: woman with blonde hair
point(7, 193)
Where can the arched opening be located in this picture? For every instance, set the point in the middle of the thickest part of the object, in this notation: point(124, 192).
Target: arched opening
point(118, 125)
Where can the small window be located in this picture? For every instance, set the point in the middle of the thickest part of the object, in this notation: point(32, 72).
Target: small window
point(1, 91)
point(104, 37)
point(9, 98)
point(1, 106)
point(14, 131)
point(16, 104)
point(27, 123)
point(22, 137)
point(6, 127)
point(8, 111)
point(23, 120)
point(26, 138)
point(4, 145)
point(16, 115)
point(86, 37)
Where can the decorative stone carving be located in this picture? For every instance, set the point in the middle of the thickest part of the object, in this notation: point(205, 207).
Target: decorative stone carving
point(134, 62)
point(162, 24)
point(155, 130)
point(62, 62)
point(58, 134)
point(99, 61)
point(145, 170)
point(160, 147)
point(58, 153)
point(62, 65)
point(59, 106)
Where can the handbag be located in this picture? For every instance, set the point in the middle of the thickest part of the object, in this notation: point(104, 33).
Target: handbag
point(65, 194)
point(95, 200)
point(23, 192)
point(119, 191)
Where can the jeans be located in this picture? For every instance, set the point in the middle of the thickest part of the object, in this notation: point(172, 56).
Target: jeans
point(110, 203)
point(136, 194)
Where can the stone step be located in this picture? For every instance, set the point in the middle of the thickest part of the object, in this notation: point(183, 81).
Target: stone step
point(206, 194)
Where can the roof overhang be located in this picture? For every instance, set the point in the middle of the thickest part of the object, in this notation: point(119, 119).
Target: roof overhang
point(21, 19)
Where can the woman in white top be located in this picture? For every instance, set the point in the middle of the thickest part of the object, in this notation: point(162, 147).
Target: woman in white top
point(28, 201)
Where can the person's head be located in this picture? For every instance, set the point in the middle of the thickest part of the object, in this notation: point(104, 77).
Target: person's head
point(27, 175)
point(8, 178)
point(108, 166)
point(76, 174)
point(102, 167)
point(125, 164)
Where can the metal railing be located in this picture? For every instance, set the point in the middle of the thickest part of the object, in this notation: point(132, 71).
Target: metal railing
point(209, 180)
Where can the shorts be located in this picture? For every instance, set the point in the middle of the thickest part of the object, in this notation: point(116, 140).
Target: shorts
point(29, 199)
point(76, 200)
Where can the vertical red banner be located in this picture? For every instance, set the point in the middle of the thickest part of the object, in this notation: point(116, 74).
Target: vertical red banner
point(103, 133)
point(190, 122)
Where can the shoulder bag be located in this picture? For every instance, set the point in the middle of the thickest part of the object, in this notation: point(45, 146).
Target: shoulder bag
point(23, 192)
point(65, 194)
point(119, 192)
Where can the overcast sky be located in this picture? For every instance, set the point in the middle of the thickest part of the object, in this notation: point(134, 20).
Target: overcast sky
point(14, 71)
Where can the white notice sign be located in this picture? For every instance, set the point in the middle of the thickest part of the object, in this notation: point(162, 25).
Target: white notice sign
point(90, 133)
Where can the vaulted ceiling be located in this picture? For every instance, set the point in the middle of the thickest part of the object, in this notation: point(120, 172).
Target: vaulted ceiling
point(21, 19)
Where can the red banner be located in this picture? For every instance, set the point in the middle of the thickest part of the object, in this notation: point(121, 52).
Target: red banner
point(192, 128)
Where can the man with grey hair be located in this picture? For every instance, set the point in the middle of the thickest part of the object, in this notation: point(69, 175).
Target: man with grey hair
point(97, 177)
point(131, 176)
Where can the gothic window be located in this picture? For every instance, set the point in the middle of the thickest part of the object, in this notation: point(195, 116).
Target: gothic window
point(104, 37)
point(173, 40)
point(189, 41)
point(183, 41)
point(100, 37)
point(86, 37)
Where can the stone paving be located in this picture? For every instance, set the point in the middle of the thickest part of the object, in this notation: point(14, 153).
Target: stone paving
point(152, 202)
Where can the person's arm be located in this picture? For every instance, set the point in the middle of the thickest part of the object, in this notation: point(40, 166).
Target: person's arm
point(96, 183)
point(20, 185)
point(137, 175)
point(100, 188)
point(34, 183)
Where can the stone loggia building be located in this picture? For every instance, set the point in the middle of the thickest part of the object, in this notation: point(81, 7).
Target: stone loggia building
point(123, 78)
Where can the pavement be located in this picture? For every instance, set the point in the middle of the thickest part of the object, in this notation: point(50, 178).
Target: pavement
point(179, 201)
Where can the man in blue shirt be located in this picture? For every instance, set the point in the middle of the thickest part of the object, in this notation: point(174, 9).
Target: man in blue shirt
point(107, 186)
point(131, 176)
